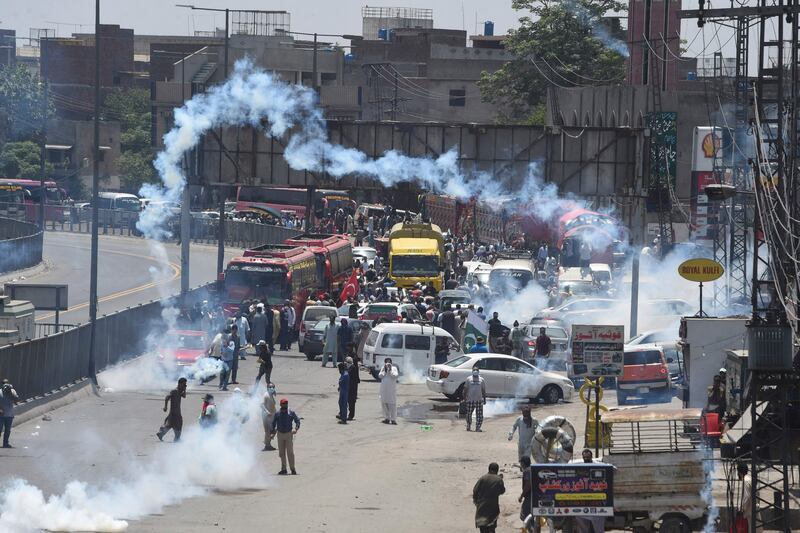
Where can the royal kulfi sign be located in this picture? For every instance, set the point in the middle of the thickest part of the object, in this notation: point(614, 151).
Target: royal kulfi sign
point(700, 270)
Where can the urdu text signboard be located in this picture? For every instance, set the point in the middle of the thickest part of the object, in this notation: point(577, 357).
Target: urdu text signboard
point(574, 489)
point(597, 351)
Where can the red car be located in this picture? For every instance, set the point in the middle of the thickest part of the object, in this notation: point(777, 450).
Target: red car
point(184, 346)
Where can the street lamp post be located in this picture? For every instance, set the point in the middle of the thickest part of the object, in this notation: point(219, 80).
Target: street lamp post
point(95, 196)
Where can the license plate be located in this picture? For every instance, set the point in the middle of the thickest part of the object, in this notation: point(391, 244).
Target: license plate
point(643, 390)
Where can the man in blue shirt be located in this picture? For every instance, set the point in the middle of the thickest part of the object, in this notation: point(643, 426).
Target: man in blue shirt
point(282, 426)
point(480, 346)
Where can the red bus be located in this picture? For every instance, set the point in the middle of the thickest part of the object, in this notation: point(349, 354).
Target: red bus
point(12, 200)
point(277, 200)
point(275, 272)
point(334, 254)
point(56, 201)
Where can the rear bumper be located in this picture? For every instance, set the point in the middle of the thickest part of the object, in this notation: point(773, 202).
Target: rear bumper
point(439, 386)
point(635, 385)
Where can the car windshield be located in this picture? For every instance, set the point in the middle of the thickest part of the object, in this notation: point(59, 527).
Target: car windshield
point(189, 342)
point(578, 287)
point(648, 357)
point(381, 310)
point(553, 333)
point(458, 361)
point(415, 265)
point(319, 313)
point(369, 254)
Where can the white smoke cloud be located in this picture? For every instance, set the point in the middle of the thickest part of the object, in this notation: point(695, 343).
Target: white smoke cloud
point(201, 462)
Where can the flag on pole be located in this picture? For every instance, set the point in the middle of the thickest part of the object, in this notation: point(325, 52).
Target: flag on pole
point(475, 327)
point(350, 288)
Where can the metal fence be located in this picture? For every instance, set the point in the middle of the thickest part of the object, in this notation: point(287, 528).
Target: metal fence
point(20, 245)
point(40, 366)
point(45, 328)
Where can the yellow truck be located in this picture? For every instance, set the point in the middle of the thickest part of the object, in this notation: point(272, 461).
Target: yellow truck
point(416, 255)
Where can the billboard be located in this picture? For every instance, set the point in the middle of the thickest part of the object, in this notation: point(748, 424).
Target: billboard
point(575, 489)
point(43, 297)
point(597, 351)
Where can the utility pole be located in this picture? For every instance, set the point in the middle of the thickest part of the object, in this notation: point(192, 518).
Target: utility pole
point(95, 196)
point(223, 189)
point(314, 66)
point(186, 214)
point(394, 98)
point(43, 135)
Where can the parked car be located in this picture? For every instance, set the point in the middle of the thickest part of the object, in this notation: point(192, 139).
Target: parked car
point(559, 338)
point(412, 347)
point(311, 315)
point(365, 254)
point(182, 347)
point(454, 296)
point(645, 374)
point(577, 311)
point(314, 342)
point(505, 376)
point(654, 335)
point(390, 311)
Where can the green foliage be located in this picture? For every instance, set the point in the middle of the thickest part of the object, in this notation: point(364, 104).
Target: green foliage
point(22, 100)
point(563, 38)
point(22, 160)
point(131, 107)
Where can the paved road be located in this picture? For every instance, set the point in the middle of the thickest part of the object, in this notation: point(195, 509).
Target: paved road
point(124, 272)
point(353, 478)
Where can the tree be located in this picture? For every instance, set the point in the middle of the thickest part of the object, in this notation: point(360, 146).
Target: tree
point(22, 160)
point(22, 100)
point(561, 42)
point(131, 107)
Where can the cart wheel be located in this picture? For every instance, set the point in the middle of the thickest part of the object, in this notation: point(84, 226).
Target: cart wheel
point(675, 524)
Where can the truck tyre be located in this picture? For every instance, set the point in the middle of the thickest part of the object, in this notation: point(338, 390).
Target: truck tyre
point(675, 524)
point(622, 397)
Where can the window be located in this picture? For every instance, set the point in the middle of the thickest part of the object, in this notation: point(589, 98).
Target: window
point(491, 363)
point(649, 357)
point(458, 361)
point(418, 342)
point(458, 97)
point(413, 313)
point(373, 336)
point(392, 340)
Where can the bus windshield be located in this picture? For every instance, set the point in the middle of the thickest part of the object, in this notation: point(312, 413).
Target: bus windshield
point(415, 265)
point(256, 281)
point(516, 279)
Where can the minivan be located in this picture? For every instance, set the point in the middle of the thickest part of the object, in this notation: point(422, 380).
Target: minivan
point(645, 374)
point(311, 315)
point(412, 348)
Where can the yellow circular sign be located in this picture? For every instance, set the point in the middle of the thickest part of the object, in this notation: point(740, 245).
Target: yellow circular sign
point(700, 270)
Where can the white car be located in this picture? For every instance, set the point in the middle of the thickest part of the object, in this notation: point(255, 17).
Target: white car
point(504, 375)
point(365, 254)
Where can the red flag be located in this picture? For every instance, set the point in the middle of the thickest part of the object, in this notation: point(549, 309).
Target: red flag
point(351, 288)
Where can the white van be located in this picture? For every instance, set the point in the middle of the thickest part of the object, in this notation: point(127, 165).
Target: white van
point(412, 348)
point(311, 315)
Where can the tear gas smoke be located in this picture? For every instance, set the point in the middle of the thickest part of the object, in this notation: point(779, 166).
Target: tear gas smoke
point(707, 493)
point(500, 406)
point(598, 28)
point(202, 461)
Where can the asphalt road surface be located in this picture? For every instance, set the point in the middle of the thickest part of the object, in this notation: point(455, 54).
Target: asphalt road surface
point(124, 277)
point(364, 476)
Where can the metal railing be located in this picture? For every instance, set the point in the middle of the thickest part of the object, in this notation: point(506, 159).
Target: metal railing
point(20, 245)
point(44, 328)
point(43, 365)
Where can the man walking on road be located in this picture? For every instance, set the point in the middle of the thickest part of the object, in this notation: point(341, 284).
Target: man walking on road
point(526, 425)
point(388, 391)
point(352, 369)
point(543, 345)
point(174, 420)
point(259, 326)
point(8, 399)
point(486, 497)
point(228, 357)
point(243, 327)
point(264, 361)
point(495, 332)
point(344, 392)
point(268, 415)
point(237, 346)
point(282, 426)
point(331, 336)
point(475, 398)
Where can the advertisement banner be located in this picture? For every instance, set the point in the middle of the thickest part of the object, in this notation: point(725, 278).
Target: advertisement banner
point(574, 489)
point(597, 351)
